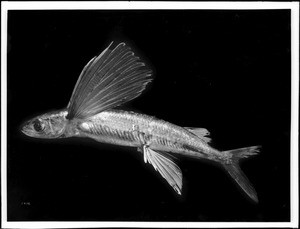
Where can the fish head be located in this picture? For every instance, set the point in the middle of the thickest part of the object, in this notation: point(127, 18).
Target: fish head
point(49, 125)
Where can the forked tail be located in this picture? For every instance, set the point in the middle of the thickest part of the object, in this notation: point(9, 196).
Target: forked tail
point(233, 168)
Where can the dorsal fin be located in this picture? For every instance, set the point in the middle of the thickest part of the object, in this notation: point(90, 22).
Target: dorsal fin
point(202, 133)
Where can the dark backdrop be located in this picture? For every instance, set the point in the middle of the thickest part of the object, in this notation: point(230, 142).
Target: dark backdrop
point(227, 71)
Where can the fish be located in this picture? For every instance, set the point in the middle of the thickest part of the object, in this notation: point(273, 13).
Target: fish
point(111, 79)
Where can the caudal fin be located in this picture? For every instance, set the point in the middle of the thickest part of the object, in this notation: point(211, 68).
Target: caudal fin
point(233, 168)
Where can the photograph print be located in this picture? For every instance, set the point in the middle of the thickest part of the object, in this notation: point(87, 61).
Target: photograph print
point(148, 115)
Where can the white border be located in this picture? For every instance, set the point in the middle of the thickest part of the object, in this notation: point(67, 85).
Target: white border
point(132, 5)
point(294, 6)
point(295, 115)
point(3, 115)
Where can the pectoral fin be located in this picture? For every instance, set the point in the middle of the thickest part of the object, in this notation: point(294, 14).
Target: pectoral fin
point(115, 77)
point(202, 133)
point(165, 166)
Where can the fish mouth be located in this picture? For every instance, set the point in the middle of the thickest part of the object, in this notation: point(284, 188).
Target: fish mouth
point(25, 131)
point(28, 132)
point(25, 128)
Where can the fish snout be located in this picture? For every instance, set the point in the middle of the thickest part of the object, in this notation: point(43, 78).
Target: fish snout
point(26, 127)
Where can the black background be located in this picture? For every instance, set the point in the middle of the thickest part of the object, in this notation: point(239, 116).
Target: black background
point(227, 71)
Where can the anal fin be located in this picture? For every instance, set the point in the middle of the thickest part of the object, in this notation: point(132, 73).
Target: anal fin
point(166, 167)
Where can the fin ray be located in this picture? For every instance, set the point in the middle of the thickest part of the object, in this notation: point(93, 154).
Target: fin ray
point(114, 77)
point(166, 167)
point(202, 133)
point(231, 164)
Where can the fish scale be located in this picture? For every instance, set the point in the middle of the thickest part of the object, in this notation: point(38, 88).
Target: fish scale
point(127, 129)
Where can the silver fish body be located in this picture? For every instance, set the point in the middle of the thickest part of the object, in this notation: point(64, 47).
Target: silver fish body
point(134, 129)
point(111, 79)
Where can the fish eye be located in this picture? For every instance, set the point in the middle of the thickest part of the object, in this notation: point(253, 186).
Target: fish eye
point(38, 126)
